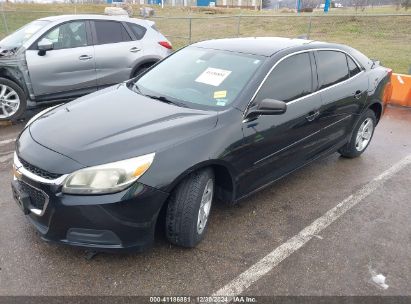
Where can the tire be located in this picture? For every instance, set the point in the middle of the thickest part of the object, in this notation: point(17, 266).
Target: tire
point(183, 219)
point(14, 94)
point(355, 147)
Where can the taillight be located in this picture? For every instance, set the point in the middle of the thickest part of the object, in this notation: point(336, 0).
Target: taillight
point(166, 44)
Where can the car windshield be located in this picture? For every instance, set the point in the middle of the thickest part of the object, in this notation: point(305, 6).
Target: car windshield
point(199, 78)
point(23, 34)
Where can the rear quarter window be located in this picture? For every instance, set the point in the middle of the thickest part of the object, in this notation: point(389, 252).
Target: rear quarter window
point(138, 30)
point(154, 27)
point(352, 67)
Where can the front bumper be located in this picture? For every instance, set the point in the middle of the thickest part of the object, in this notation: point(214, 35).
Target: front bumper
point(123, 220)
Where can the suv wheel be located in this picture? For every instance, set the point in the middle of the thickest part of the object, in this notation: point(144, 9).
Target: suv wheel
point(189, 208)
point(13, 101)
point(361, 136)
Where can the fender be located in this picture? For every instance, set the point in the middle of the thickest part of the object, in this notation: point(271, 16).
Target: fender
point(14, 74)
point(14, 67)
point(224, 178)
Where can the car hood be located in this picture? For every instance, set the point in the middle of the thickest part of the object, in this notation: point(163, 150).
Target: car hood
point(117, 123)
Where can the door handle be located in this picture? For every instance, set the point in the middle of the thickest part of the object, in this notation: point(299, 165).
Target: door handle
point(312, 115)
point(85, 57)
point(357, 94)
point(134, 49)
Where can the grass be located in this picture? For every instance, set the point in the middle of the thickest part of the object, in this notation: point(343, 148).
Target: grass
point(387, 38)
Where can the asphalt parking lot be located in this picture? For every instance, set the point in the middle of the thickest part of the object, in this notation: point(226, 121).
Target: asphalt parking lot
point(260, 247)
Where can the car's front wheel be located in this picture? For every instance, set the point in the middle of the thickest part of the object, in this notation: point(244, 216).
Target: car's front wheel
point(189, 208)
point(13, 101)
point(361, 136)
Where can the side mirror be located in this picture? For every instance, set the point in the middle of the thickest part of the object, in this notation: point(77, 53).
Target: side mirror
point(44, 45)
point(268, 107)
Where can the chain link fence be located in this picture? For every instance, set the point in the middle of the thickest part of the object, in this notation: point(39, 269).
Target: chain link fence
point(383, 37)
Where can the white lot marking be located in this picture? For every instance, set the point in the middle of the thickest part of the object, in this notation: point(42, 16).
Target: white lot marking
point(379, 279)
point(275, 257)
point(6, 141)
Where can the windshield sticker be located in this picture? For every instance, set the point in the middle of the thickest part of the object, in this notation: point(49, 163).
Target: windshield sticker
point(221, 102)
point(256, 61)
point(220, 94)
point(213, 76)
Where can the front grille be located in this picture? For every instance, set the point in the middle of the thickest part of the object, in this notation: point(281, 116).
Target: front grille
point(37, 171)
point(37, 198)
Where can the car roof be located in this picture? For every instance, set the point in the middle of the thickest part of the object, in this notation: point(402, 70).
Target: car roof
point(264, 46)
point(62, 18)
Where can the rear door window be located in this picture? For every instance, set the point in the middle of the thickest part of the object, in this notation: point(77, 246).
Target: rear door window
point(332, 68)
point(138, 30)
point(290, 79)
point(110, 32)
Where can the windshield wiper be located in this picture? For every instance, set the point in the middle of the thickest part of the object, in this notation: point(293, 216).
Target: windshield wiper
point(136, 88)
point(166, 100)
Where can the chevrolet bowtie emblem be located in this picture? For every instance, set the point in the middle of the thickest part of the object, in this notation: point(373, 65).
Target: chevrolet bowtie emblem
point(17, 174)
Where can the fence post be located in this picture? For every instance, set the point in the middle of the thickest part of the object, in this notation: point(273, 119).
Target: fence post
point(309, 28)
point(4, 18)
point(189, 31)
point(238, 25)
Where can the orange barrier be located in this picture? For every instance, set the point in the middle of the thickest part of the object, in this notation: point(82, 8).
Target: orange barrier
point(401, 90)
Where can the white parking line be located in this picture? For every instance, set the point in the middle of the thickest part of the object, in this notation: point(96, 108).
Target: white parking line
point(6, 141)
point(275, 257)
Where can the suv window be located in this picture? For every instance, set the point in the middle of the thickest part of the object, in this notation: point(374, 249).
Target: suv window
point(110, 32)
point(352, 67)
point(332, 68)
point(68, 35)
point(290, 79)
point(138, 30)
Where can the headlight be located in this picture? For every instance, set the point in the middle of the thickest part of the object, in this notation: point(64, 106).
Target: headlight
point(31, 120)
point(108, 178)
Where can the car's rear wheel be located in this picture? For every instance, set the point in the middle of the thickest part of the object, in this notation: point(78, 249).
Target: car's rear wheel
point(361, 136)
point(13, 101)
point(189, 208)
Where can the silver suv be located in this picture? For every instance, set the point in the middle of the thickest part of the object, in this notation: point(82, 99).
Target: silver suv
point(63, 57)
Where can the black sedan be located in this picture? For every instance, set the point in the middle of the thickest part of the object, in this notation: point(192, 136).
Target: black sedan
point(219, 119)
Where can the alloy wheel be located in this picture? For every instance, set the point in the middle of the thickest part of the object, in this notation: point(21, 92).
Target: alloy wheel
point(364, 134)
point(205, 206)
point(9, 101)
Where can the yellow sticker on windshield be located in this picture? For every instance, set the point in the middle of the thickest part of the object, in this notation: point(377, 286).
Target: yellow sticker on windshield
point(220, 94)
